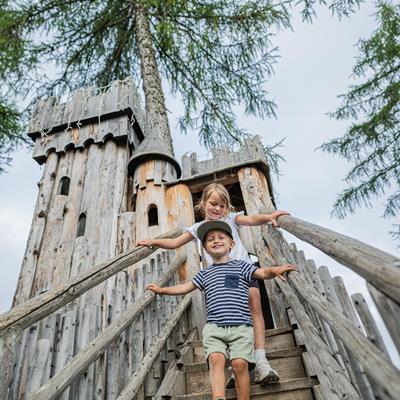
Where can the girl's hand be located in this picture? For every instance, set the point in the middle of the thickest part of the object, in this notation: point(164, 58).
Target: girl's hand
point(145, 242)
point(281, 270)
point(274, 217)
point(155, 288)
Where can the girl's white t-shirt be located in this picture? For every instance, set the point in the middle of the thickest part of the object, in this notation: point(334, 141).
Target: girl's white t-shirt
point(239, 252)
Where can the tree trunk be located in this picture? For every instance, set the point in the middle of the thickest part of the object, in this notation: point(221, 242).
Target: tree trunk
point(154, 96)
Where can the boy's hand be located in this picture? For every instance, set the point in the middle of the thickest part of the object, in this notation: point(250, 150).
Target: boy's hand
point(145, 242)
point(281, 270)
point(274, 217)
point(155, 288)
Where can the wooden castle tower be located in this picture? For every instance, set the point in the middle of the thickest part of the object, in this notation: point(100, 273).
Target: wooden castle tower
point(82, 325)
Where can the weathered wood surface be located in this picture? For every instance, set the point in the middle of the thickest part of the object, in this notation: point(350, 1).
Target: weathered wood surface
point(256, 195)
point(389, 311)
point(311, 361)
point(330, 373)
point(377, 267)
point(356, 372)
point(87, 105)
point(39, 222)
point(385, 374)
point(368, 322)
point(33, 310)
point(56, 385)
point(136, 380)
point(179, 202)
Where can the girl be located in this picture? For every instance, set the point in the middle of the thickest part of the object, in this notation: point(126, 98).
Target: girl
point(215, 205)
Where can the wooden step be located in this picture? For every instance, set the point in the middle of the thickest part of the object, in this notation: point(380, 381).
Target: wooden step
point(292, 389)
point(288, 367)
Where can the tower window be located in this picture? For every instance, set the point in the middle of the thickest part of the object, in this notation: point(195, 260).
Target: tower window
point(64, 186)
point(81, 225)
point(153, 215)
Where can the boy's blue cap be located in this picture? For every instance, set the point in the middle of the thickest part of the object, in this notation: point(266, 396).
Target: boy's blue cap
point(208, 226)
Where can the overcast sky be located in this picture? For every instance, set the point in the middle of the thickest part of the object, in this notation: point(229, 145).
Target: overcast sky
point(315, 66)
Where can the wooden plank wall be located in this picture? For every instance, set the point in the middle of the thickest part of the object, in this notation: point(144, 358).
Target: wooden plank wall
point(98, 187)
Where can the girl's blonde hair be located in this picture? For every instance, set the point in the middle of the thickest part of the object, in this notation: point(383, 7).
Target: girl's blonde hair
point(221, 190)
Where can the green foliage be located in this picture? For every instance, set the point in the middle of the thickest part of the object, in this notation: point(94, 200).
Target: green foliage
point(372, 142)
point(215, 54)
point(12, 51)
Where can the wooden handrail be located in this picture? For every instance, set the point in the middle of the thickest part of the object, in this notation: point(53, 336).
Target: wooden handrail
point(367, 354)
point(57, 384)
point(31, 311)
point(138, 377)
point(376, 266)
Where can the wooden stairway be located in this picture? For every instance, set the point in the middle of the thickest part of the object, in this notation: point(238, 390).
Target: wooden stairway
point(189, 378)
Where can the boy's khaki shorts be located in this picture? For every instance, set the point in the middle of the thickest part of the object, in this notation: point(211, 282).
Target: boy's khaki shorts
point(238, 339)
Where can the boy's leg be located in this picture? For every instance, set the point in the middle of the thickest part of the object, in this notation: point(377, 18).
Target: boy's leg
point(215, 350)
point(216, 362)
point(264, 372)
point(241, 348)
point(241, 370)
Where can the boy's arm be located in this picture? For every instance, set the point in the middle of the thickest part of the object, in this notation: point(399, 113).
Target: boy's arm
point(167, 243)
point(273, 272)
point(183, 288)
point(260, 219)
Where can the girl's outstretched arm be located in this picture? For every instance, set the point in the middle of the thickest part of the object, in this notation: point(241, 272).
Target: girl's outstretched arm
point(260, 219)
point(167, 243)
point(173, 290)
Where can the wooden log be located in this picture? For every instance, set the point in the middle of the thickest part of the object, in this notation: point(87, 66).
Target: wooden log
point(364, 351)
point(385, 374)
point(377, 267)
point(8, 355)
point(316, 281)
point(39, 222)
point(55, 386)
point(356, 373)
point(38, 365)
point(311, 361)
point(179, 202)
point(389, 311)
point(255, 193)
point(136, 380)
point(368, 322)
point(300, 262)
point(332, 377)
point(33, 310)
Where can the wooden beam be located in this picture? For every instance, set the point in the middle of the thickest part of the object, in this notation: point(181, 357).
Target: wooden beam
point(389, 311)
point(331, 370)
point(373, 361)
point(56, 385)
point(368, 322)
point(376, 266)
point(138, 377)
point(25, 314)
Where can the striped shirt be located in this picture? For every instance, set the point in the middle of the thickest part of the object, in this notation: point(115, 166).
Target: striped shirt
point(226, 290)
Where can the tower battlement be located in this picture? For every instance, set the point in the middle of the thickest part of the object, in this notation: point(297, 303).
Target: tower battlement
point(90, 115)
point(251, 152)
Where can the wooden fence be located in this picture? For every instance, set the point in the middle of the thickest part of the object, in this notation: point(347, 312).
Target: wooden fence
point(346, 350)
point(144, 330)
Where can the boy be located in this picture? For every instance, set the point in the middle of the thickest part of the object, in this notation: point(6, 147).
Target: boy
point(226, 287)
